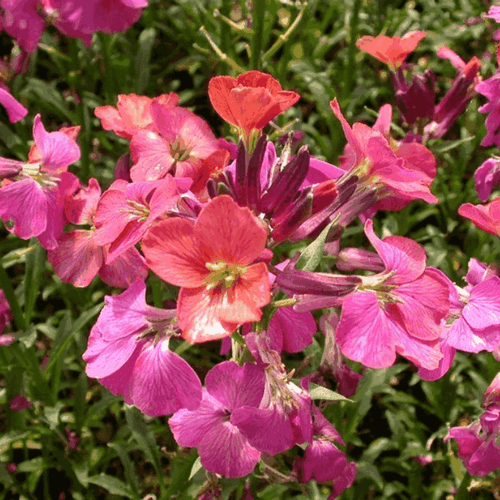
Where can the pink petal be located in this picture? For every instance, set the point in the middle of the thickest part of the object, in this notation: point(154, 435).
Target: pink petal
point(58, 150)
point(24, 203)
point(198, 312)
point(15, 110)
point(77, 259)
point(125, 269)
point(163, 382)
point(172, 253)
point(151, 155)
point(295, 329)
point(368, 337)
point(483, 307)
point(235, 386)
point(399, 254)
point(229, 233)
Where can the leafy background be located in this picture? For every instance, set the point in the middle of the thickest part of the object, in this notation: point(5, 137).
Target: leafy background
point(396, 416)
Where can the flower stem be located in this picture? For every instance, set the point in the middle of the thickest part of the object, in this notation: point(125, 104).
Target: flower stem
point(258, 14)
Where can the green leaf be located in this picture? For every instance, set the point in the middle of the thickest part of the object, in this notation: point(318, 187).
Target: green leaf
point(35, 264)
point(128, 468)
point(112, 484)
point(145, 438)
point(311, 256)
point(320, 392)
point(196, 467)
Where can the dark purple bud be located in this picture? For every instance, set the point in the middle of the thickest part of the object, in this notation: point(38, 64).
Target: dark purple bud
point(283, 190)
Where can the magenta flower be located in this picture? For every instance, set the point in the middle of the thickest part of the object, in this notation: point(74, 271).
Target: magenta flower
point(398, 172)
point(128, 351)
point(31, 205)
point(82, 18)
point(22, 21)
point(476, 313)
point(283, 417)
point(487, 178)
point(5, 319)
point(402, 308)
point(222, 448)
point(477, 443)
point(20, 403)
point(322, 460)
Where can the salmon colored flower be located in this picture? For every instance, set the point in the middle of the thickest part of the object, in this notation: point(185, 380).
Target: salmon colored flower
point(392, 51)
point(249, 101)
point(212, 261)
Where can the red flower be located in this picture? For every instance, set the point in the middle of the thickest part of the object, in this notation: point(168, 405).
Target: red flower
point(392, 51)
point(250, 101)
point(211, 260)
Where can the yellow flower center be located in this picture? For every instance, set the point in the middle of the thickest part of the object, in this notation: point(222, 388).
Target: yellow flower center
point(223, 275)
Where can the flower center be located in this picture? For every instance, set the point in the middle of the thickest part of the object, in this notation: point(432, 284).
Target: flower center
point(41, 178)
point(179, 150)
point(223, 275)
point(137, 210)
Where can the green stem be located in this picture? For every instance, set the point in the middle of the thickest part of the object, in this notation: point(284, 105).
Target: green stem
point(109, 74)
point(15, 308)
point(349, 73)
point(258, 14)
point(463, 493)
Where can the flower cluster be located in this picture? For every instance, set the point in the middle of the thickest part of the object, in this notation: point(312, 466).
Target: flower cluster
point(208, 216)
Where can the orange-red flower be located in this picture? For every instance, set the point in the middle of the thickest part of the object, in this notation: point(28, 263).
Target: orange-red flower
point(212, 260)
point(392, 51)
point(250, 101)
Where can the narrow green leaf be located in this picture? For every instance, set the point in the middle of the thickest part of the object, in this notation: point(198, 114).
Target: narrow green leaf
point(130, 475)
point(112, 484)
point(195, 468)
point(35, 264)
point(320, 392)
point(145, 438)
point(311, 256)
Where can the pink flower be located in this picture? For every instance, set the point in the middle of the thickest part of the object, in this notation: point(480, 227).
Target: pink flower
point(399, 172)
point(211, 260)
point(182, 143)
point(222, 448)
point(485, 217)
point(402, 308)
point(82, 18)
point(477, 443)
point(128, 351)
point(126, 211)
point(31, 205)
point(19, 403)
point(322, 460)
point(78, 258)
point(5, 319)
point(22, 21)
point(392, 51)
point(487, 178)
point(133, 113)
